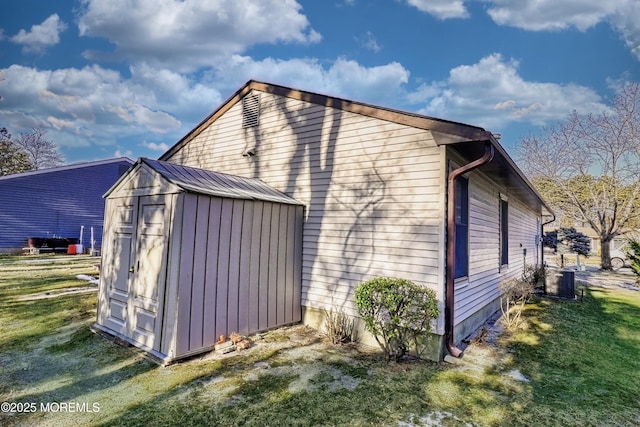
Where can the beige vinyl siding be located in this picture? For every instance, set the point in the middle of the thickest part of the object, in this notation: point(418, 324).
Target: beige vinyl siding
point(485, 271)
point(373, 190)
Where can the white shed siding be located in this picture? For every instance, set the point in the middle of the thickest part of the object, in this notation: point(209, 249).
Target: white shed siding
point(373, 190)
point(485, 271)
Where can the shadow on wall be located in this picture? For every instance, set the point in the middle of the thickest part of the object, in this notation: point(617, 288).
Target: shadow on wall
point(344, 211)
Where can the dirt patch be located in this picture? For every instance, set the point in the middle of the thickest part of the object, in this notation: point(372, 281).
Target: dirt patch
point(299, 352)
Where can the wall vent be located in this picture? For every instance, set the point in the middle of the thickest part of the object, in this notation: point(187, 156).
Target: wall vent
point(250, 110)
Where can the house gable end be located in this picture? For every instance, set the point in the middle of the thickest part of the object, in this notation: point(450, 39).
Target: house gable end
point(447, 131)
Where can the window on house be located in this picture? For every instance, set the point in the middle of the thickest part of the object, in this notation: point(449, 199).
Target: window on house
point(250, 110)
point(462, 227)
point(504, 231)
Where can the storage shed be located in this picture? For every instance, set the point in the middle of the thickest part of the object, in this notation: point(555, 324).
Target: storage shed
point(191, 254)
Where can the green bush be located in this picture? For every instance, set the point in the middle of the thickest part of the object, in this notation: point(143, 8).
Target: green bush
point(632, 250)
point(396, 312)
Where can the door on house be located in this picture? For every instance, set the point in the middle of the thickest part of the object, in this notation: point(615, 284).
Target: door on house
point(136, 272)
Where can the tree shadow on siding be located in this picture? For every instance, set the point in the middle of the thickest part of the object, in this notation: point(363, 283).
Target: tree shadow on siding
point(341, 210)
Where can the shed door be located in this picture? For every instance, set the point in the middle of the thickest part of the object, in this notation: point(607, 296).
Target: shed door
point(138, 270)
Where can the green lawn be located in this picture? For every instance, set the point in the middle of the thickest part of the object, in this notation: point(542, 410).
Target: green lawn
point(570, 364)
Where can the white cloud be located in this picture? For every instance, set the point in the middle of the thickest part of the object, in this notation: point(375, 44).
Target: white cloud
point(537, 15)
point(139, 115)
point(120, 152)
point(344, 78)
point(189, 34)
point(626, 21)
point(441, 9)
point(549, 15)
point(371, 43)
point(96, 105)
point(491, 94)
point(41, 36)
point(162, 147)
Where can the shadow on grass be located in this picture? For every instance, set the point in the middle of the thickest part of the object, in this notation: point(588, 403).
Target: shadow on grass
point(33, 320)
point(582, 360)
point(242, 398)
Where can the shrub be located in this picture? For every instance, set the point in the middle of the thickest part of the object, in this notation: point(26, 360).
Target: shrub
point(339, 326)
point(632, 250)
point(535, 275)
point(515, 294)
point(396, 311)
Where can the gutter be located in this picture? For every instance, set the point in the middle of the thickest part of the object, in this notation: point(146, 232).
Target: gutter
point(451, 240)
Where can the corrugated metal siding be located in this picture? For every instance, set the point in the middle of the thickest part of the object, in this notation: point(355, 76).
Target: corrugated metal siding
point(56, 202)
point(373, 190)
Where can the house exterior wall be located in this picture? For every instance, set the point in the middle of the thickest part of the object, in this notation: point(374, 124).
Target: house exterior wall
point(56, 202)
point(477, 296)
point(373, 190)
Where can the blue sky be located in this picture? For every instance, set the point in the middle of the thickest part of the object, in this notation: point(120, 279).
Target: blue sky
point(109, 78)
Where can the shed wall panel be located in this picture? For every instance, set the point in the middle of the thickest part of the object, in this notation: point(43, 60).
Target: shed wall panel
point(234, 266)
point(254, 267)
point(233, 251)
point(170, 318)
point(199, 272)
point(244, 284)
point(210, 331)
point(185, 280)
point(272, 286)
point(223, 267)
point(263, 300)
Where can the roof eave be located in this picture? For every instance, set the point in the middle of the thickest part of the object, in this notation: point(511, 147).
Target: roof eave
point(502, 168)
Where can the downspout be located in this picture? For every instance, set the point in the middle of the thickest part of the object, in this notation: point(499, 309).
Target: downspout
point(553, 218)
point(451, 241)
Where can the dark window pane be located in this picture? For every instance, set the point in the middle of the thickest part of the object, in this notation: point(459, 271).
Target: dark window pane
point(462, 227)
point(504, 232)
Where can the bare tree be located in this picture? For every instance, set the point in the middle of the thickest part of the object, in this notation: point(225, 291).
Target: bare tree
point(588, 166)
point(42, 152)
point(12, 158)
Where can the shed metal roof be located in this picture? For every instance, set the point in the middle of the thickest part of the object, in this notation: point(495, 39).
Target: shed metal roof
point(203, 181)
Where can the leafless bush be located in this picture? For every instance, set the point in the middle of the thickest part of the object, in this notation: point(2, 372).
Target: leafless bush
point(515, 294)
point(339, 326)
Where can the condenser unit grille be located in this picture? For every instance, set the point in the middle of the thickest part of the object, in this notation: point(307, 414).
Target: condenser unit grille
point(250, 110)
